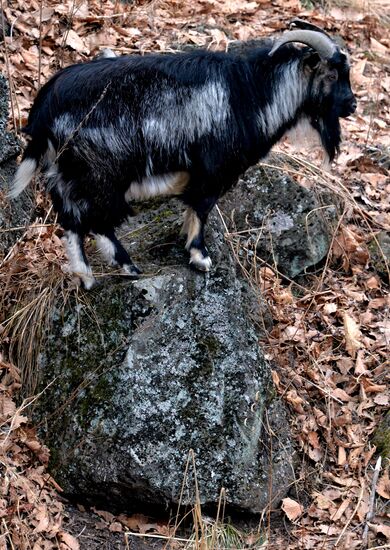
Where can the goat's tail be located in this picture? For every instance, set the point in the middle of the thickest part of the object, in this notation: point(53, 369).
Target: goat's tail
point(27, 168)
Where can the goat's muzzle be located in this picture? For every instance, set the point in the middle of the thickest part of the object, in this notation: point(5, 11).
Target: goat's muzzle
point(348, 107)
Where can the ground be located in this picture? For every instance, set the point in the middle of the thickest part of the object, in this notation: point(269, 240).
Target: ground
point(93, 533)
point(329, 341)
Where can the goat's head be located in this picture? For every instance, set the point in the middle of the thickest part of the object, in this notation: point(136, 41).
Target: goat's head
point(327, 68)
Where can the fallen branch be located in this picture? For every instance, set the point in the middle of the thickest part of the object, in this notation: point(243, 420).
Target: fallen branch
point(370, 513)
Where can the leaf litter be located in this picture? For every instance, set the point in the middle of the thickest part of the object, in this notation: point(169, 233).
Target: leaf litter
point(329, 343)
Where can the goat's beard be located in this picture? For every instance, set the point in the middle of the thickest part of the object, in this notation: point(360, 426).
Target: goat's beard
point(328, 127)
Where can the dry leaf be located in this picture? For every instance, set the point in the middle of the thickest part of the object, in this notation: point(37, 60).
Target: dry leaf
point(343, 506)
point(359, 364)
point(330, 308)
point(383, 486)
point(291, 508)
point(295, 401)
point(275, 378)
point(352, 334)
point(315, 454)
point(369, 387)
point(329, 530)
point(7, 406)
point(138, 523)
point(341, 394)
point(70, 541)
point(381, 399)
point(378, 47)
point(74, 41)
point(379, 528)
point(107, 516)
point(116, 527)
point(342, 457)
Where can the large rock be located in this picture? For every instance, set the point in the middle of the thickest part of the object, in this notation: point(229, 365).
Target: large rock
point(16, 213)
point(280, 219)
point(145, 371)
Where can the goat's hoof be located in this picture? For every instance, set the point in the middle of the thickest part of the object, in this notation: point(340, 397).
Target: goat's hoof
point(198, 261)
point(131, 270)
point(88, 282)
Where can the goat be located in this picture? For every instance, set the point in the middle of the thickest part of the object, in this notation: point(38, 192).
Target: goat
point(118, 129)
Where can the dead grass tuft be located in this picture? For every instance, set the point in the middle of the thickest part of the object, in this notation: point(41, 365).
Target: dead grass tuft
point(32, 284)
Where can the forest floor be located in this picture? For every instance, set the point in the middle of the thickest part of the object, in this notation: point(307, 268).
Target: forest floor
point(329, 343)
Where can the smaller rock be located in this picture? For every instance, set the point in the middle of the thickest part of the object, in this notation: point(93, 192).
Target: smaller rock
point(282, 220)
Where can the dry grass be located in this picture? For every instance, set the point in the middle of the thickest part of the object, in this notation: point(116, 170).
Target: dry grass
point(32, 284)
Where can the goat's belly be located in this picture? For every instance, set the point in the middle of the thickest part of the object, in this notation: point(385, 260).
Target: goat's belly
point(172, 183)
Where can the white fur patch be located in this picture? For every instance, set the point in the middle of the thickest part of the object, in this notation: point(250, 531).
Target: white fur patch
point(288, 96)
point(129, 269)
point(199, 261)
point(188, 114)
point(109, 138)
point(76, 260)
point(166, 184)
point(64, 126)
point(303, 133)
point(106, 248)
point(23, 176)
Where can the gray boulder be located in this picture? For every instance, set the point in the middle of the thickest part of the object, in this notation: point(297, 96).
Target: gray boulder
point(19, 212)
point(147, 371)
point(286, 226)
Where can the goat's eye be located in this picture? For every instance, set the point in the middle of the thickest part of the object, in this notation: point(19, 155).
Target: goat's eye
point(332, 76)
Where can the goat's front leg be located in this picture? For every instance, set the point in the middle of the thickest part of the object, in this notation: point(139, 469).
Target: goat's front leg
point(195, 218)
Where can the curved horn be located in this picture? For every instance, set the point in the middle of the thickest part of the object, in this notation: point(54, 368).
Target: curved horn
point(316, 40)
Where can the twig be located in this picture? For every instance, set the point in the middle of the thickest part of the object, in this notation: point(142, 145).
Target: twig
point(351, 516)
point(163, 537)
point(370, 513)
point(40, 45)
point(27, 226)
point(109, 16)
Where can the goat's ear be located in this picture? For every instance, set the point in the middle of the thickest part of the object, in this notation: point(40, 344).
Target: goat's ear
point(311, 61)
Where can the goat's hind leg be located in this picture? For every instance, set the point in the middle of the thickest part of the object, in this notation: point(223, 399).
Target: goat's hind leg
point(115, 254)
point(74, 244)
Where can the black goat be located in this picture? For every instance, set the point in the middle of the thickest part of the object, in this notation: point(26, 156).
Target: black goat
point(119, 129)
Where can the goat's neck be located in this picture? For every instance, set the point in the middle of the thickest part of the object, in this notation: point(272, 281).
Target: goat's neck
point(289, 87)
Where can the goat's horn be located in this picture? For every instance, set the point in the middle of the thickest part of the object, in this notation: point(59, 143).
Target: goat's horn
point(316, 40)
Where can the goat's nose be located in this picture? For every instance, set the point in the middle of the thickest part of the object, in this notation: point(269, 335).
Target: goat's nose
point(353, 105)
